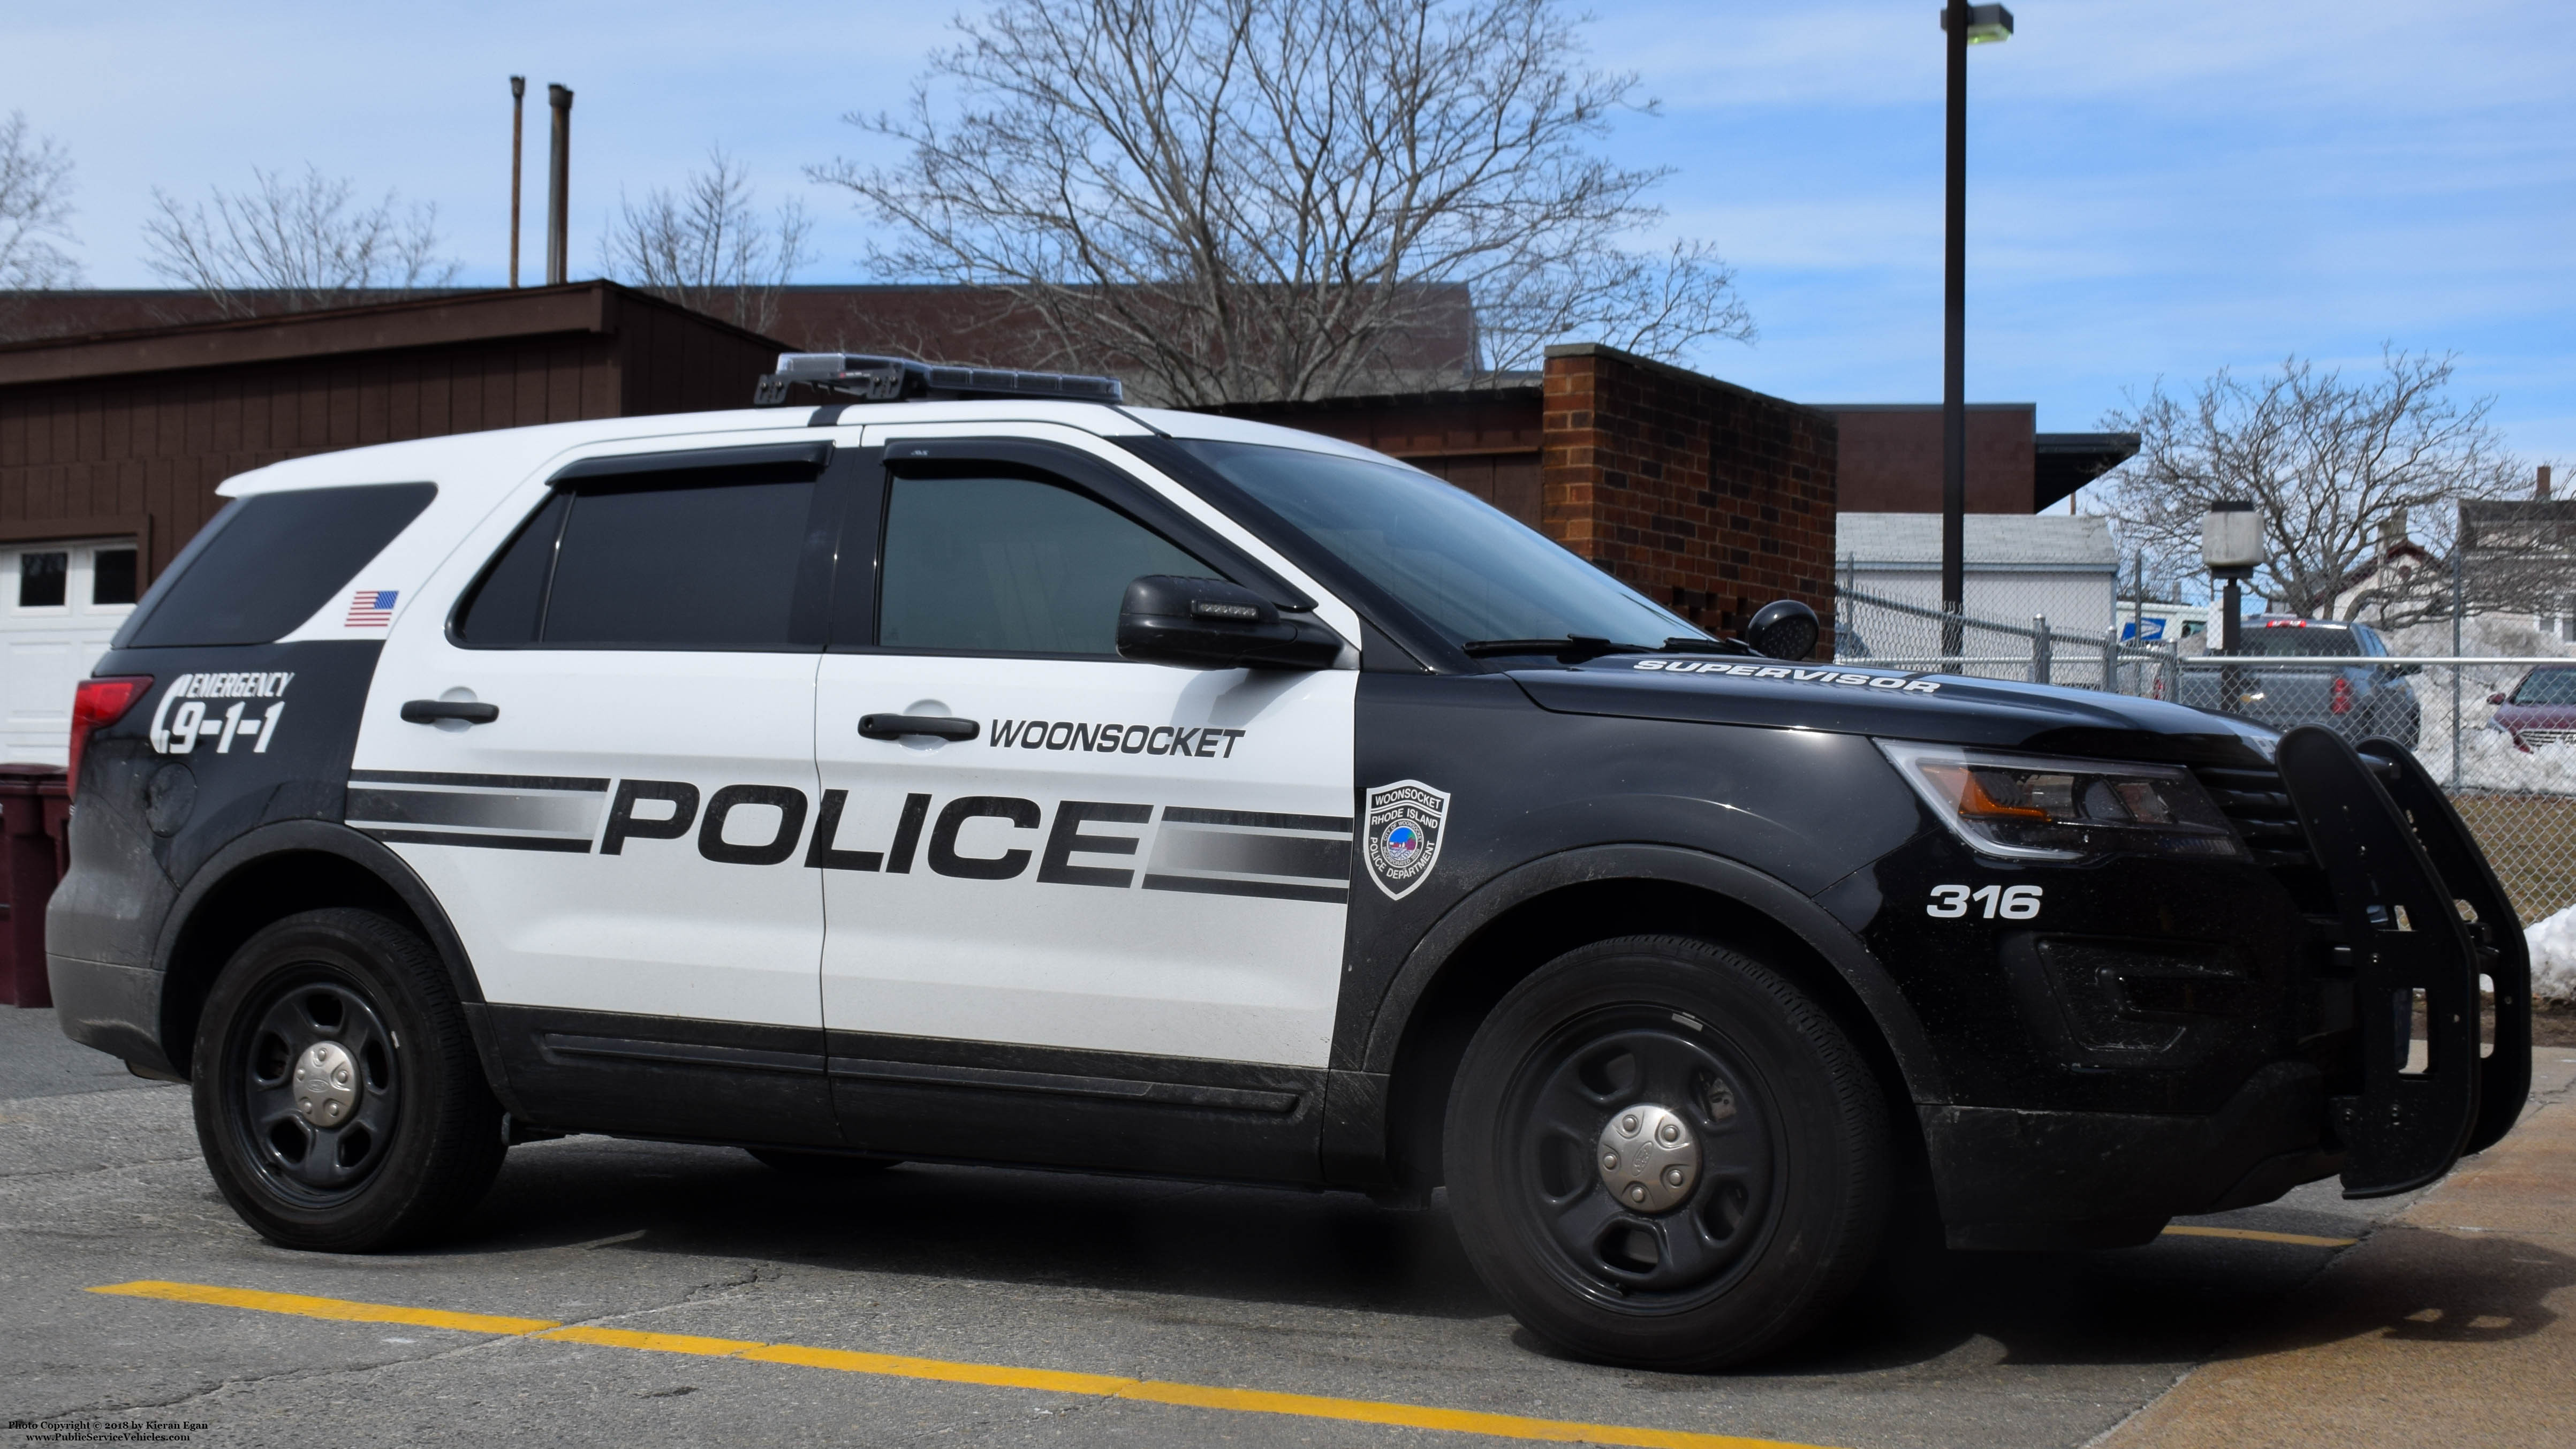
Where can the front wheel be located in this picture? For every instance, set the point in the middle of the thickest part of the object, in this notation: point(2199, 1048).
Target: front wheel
point(338, 1099)
point(1662, 1153)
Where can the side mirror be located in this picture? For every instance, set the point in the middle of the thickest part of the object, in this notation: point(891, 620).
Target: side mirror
point(1784, 629)
point(2495, 699)
point(2404, 670)
point(1212, 624)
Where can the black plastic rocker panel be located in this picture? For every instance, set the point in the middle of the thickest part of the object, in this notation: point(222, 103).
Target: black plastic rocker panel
point(2404, 935)
point(2504, 956)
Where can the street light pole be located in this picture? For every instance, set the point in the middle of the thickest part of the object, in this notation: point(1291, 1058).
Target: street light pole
point(1963, 25)
point(1954, 341)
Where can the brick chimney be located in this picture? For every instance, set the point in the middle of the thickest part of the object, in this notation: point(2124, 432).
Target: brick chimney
point(2540, 490)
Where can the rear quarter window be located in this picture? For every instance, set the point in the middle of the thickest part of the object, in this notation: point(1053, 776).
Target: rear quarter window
point(266, 563)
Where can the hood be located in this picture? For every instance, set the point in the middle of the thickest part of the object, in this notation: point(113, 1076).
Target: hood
point(1856, 699)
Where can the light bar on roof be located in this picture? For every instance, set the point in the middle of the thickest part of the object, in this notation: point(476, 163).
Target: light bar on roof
point(895, 379)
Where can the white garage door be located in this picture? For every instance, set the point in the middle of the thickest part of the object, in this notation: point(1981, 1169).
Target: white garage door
point(59, 605)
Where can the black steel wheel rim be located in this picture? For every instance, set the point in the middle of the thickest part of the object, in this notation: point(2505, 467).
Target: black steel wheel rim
point(301, 1162)
point(1556, 1106)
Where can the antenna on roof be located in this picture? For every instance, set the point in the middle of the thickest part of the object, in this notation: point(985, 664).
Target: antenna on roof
point(896, 379)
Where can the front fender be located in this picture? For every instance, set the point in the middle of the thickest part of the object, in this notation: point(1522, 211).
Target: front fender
point(1732, 880)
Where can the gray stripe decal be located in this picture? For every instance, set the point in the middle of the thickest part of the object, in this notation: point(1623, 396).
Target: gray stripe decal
point(553, 814)
point(1209, 885)
point(1258, 820)
point(1242, 852)
point(489, 782)
point(487, 842)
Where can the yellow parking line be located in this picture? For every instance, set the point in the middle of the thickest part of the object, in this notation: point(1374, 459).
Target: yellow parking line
point(1056, 1381)
point(340, 1308)
point(2178, 1230)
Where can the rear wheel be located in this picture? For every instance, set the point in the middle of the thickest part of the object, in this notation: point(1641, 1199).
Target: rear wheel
point(1662, 1153)
point(338, 1099)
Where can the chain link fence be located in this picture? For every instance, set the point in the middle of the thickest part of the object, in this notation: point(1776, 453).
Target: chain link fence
point(2488, 703)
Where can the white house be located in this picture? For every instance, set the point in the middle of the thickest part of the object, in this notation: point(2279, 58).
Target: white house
point(2018, 566)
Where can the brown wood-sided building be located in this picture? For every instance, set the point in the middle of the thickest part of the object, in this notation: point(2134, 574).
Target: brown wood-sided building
point(128, 433)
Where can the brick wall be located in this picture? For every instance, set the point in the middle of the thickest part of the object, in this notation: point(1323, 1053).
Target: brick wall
point(1704, 496)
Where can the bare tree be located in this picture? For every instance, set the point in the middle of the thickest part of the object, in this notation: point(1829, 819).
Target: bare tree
point(1246, 200)
point(2328, 462)
point(708, 248)
point(35, 217)
point(293, 245)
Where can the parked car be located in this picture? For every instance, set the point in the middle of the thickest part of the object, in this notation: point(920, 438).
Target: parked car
point(2276, 687)
point(2541, 709)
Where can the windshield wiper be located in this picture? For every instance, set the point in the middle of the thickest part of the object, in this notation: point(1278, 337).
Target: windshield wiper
point(1572, 648)
point(1575, 648)
point(1685, 644)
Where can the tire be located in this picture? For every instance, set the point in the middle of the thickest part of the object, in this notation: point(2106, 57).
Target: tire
point(418, 1139)
point(1769, 1230)
point(821, 1166)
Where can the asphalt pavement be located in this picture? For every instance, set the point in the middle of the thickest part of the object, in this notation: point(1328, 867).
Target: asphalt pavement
point(633, 1294)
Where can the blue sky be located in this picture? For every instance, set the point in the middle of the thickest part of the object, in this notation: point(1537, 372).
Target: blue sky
point(2149, 197)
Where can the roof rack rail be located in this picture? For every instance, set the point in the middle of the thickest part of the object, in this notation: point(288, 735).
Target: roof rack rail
point(897, 379)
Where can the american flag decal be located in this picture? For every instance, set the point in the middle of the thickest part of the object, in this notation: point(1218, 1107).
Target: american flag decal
point(371, 608)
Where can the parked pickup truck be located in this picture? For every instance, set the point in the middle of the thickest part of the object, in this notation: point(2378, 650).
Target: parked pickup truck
point(2284, 680)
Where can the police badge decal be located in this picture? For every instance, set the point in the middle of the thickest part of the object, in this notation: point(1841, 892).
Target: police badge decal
point(1403, 823)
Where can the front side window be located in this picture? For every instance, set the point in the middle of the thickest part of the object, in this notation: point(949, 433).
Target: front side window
point(1465, 567)
point(681, 560)
point(1010, 565)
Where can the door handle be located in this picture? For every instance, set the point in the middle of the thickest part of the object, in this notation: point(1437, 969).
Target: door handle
point(431, 711)
point(896, 726)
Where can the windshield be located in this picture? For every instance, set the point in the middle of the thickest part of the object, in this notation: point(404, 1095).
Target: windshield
point(2548, 686)
point(2302, 641)
point(1467, 568)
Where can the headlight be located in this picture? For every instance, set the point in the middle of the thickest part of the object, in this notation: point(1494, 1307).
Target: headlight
point(2029, 807)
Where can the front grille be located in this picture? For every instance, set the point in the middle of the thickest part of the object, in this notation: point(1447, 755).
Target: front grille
point(2258, 805)
point(2545, 737)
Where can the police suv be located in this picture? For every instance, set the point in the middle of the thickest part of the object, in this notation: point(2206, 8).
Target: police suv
point(961, 766)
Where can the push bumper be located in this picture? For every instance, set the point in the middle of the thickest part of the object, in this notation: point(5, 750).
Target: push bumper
point(2403, 866)
point(2011, 1179)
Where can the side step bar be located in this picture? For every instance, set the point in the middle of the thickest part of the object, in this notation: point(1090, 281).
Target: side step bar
point(2406, 942)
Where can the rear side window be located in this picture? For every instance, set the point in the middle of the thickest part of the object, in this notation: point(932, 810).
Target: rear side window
point(1011, 565)
point(681, 559)
point(267, 563)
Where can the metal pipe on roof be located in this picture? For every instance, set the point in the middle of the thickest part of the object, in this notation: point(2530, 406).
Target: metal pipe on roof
point(559, 189)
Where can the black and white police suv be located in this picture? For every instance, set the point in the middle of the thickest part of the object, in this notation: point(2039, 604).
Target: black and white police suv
point(969, 768)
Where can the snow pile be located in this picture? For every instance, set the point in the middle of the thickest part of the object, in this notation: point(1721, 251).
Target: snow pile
point(2489, 635)
point(2553, 956)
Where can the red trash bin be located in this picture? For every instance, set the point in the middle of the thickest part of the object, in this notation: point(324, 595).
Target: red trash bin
point(35, 807)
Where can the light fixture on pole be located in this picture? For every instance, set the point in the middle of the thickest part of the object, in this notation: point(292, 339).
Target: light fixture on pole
point(2231, 547)
point(1963, 25)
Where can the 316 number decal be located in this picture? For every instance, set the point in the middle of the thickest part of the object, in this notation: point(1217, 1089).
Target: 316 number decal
point(2011, 903)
